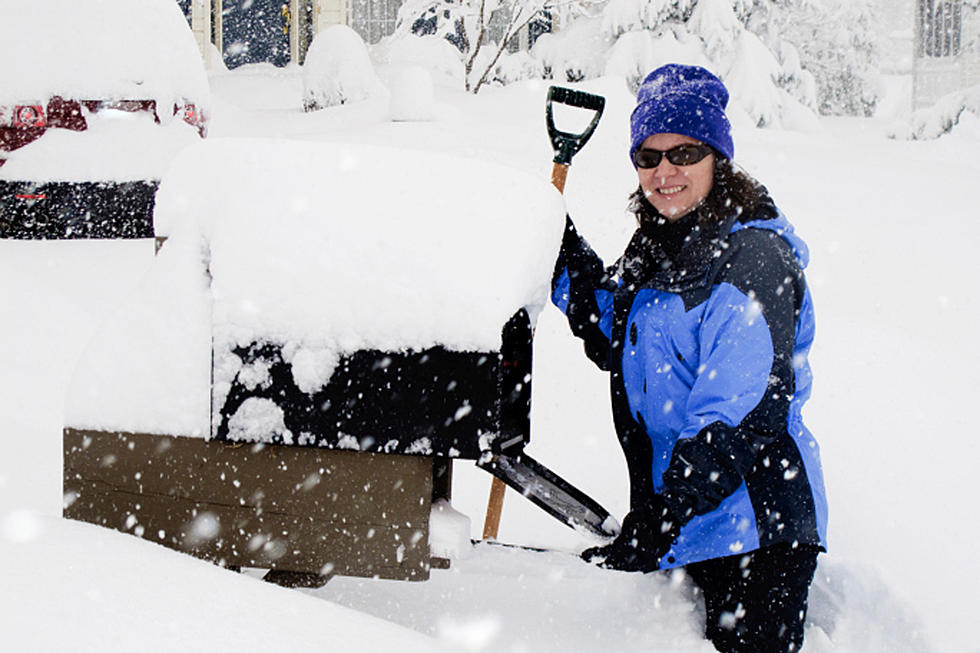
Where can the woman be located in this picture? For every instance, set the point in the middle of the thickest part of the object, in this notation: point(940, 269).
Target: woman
point(704, 324)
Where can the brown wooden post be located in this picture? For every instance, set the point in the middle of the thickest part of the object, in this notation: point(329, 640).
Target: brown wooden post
point(495, 507)
point(558, 175)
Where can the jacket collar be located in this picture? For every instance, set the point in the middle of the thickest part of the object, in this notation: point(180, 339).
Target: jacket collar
point(679, 256)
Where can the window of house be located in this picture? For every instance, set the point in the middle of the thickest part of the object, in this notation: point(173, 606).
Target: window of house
point(940, 28)
point(374, 19)
point(185, 7)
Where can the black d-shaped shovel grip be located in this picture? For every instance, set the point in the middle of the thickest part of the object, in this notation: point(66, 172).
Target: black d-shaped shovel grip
point(564, 143)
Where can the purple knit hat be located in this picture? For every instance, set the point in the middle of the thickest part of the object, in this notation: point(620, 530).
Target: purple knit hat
point(686, 100)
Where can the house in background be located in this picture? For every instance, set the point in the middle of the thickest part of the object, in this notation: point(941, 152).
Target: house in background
point(946, 49)
point(935, 42)
point(280, 31)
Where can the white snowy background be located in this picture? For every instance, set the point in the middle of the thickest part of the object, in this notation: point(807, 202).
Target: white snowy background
point(892, 229)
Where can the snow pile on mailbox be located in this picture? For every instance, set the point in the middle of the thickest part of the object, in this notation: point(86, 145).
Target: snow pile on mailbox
point(323, 249)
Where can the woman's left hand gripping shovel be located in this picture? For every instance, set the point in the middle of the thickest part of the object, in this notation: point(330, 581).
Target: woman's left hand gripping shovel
point(566, 145)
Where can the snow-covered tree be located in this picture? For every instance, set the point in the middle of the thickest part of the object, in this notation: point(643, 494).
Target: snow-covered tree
point(736, 39)
point(482, 30)
point(943, 116)
point(774, 54)
point(838, 44)
point(780, 58)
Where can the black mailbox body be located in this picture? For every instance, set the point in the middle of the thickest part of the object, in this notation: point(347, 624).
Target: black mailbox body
point(434, 402)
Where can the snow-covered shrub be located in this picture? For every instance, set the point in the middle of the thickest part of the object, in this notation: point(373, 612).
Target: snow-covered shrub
point(445, 19)
point(821, 53)
point(838, 44)
point(735, 39)
point(338, 70)
point(622, 16)
point(753, 79)
point(483, 31)
point(756, 80)
point(796, 80)
point(785, 56)
point(573, 54)
point(718, 26)
point(636, 53)
point(940, 118)
point(516, 66)
point(432, 53)
point(412, 96)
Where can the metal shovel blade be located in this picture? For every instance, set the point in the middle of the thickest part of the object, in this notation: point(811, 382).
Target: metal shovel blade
point(553, 494)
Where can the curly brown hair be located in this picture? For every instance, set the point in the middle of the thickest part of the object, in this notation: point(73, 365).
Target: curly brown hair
point(732, 190)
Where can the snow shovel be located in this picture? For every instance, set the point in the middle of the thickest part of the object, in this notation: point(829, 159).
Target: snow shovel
point(565, 145)
point(551, 493)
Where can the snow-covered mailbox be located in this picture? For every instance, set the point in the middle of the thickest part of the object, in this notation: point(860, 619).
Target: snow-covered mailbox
point(316, 309)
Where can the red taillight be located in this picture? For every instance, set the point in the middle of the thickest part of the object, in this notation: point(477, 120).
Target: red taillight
point(194, 117)
point(29, 115)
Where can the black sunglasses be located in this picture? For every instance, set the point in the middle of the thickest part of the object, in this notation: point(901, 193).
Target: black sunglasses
point(682, 155)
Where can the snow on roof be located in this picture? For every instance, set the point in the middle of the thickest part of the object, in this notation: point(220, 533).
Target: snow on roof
point(325, 249)
point(99, 49)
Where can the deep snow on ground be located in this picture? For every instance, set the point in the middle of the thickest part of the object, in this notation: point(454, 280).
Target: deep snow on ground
point(891, 230)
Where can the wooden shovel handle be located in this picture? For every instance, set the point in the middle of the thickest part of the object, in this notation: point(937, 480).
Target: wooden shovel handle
point(566, 144)
point(495, 507)
point(558, 175)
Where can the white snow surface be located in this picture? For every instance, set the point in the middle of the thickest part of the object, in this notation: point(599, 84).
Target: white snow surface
point(122, 593)
point(99, 50)
point(433, 53)
point(892, 235)
point(116, 146)
point(412, 95)
point(147, 368)
point(449, 532)
point(362, 246)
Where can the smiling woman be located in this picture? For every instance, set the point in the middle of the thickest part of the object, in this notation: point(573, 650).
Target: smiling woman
point(677, 183)
point(704, 324)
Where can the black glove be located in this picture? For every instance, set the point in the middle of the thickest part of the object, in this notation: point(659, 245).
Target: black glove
point(647, 535)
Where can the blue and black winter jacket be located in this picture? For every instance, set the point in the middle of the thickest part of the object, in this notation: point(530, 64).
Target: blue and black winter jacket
point(705, 333)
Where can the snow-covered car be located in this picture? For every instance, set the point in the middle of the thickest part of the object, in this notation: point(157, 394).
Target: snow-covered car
point(104, 96)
